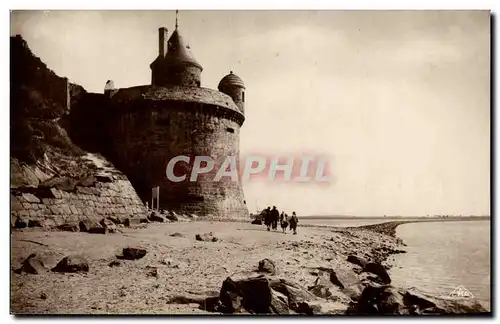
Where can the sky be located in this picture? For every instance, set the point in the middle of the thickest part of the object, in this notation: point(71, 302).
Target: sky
point(397, 101)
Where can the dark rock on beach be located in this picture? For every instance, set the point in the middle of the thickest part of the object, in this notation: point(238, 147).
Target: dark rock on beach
point(35, 223)
point(21, 222)
point(33, 265)
point(156, 217)
point(207, 237)
point(267, 266)
point(378, 270)
point(388, 300)
point(172, 217)
point(72, 263)
point(357, 260)
point(133, 253)
point(98, 230)
point(89, 225)
point(109, 225)
point(262, 294)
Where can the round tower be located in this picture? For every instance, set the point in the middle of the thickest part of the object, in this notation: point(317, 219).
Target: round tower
point(233, 86)
point(151, 126)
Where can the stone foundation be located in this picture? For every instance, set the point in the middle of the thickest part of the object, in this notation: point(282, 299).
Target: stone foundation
point(53, 207)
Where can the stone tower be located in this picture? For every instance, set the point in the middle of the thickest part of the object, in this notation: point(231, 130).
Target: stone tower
point(152, 124)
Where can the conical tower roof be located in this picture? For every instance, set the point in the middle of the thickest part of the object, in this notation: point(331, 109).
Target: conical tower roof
point(179, 51)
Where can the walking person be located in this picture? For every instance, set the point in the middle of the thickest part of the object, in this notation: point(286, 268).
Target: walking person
point(293, 223)
point(284, 221)
point(275, 215)
point(267, 217)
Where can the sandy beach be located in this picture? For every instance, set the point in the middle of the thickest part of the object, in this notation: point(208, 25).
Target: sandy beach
point(175, 264)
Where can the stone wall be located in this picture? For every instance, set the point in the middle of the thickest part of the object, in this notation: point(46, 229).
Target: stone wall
point(56, 200)
point(147, 134)
point(183, 75)
point(53, 207)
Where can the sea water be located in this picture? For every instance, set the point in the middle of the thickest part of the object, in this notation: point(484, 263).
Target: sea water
point(442, 256)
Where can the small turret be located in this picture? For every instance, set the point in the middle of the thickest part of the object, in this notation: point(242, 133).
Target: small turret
point(233, 86)
point(109, 88)
point(182, 67)
point(175, 64)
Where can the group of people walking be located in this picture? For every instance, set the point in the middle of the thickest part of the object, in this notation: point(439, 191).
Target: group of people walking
point(272, 216)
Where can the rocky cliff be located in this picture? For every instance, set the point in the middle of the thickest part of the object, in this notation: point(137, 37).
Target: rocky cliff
point(55, 181)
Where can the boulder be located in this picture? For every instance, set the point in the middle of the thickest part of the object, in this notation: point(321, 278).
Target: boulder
point(87, 224)
point(207, 237)
point(156, 217)
point(267, 266)
point(337, 284)
point(379, 270)
point(327, 286)
point(388, 300)
point(133, 253)
point(343, 278)
point(33, 265)
point(422, 303)
point(321, 290)
point(109, 225)
point(172, 216)
point(98, 230)
point(176, 234)
point(262, 294)
point(354, 292)
point(357, 260)
point(368, 278)
point(21, 222)
point(72, 263)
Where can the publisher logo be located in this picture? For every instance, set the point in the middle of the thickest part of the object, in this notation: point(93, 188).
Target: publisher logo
point(461, 292)
point(303, 168)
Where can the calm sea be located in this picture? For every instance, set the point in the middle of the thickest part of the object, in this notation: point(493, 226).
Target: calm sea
point(342, 222)
point(442, 256)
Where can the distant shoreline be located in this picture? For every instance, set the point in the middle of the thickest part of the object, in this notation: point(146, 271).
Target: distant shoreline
point(402, 218)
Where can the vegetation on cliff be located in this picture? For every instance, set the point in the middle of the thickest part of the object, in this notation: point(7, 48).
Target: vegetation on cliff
point(39, 108)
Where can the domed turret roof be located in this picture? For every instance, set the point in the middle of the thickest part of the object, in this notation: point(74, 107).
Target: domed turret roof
point(179, 51)
point(231, 80)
